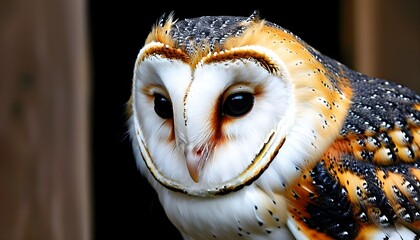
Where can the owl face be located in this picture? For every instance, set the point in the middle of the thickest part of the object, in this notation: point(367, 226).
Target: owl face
point(215, 121)
point(211, 109)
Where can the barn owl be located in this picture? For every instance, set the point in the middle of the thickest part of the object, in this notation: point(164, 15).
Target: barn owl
point(247, 132)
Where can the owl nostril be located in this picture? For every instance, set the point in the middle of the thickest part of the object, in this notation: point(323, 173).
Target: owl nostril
point(199, 152)
point(193, 151)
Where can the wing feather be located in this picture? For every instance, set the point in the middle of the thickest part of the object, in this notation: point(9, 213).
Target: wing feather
point(367, 184)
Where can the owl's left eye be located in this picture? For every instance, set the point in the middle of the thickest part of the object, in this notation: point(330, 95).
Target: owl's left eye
point(163, 107)
point(238, 104)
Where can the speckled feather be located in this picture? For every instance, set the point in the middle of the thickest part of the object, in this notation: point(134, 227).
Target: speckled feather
point(190, 34)
point(366, 184)
point(368, 179)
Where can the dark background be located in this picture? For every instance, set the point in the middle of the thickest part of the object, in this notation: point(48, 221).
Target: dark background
point(124, 206)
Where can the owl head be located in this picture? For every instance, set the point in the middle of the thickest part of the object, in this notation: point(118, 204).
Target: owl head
point(217, 100)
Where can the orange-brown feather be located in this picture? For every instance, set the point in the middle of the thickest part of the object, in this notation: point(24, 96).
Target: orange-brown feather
point(395, 186)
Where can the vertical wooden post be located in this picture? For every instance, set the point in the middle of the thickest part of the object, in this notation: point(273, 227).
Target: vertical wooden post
point(382, 38)
point(44, 120)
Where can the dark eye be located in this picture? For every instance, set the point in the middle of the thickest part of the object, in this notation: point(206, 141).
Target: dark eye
point(163, 107)
point(238, 104)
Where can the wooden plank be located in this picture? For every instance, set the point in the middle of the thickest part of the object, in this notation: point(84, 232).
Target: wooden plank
point(381, 38)
point(44, 121)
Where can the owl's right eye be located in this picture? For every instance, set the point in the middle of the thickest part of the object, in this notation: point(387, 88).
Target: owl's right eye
point(163, 107)
point(238, 104)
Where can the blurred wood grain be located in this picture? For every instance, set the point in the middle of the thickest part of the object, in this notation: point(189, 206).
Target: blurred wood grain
point(44, 120)
point(381, 38)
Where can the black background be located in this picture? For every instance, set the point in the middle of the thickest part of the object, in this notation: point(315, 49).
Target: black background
point(124, 206)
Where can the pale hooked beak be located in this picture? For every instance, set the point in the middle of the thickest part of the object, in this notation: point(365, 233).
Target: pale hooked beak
point(196, 158)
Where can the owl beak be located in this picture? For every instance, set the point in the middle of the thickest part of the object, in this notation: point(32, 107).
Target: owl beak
point(196, 157)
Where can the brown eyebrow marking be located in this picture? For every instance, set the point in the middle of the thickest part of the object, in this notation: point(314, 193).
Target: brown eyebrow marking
point(267, 63)
point(167, 52)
